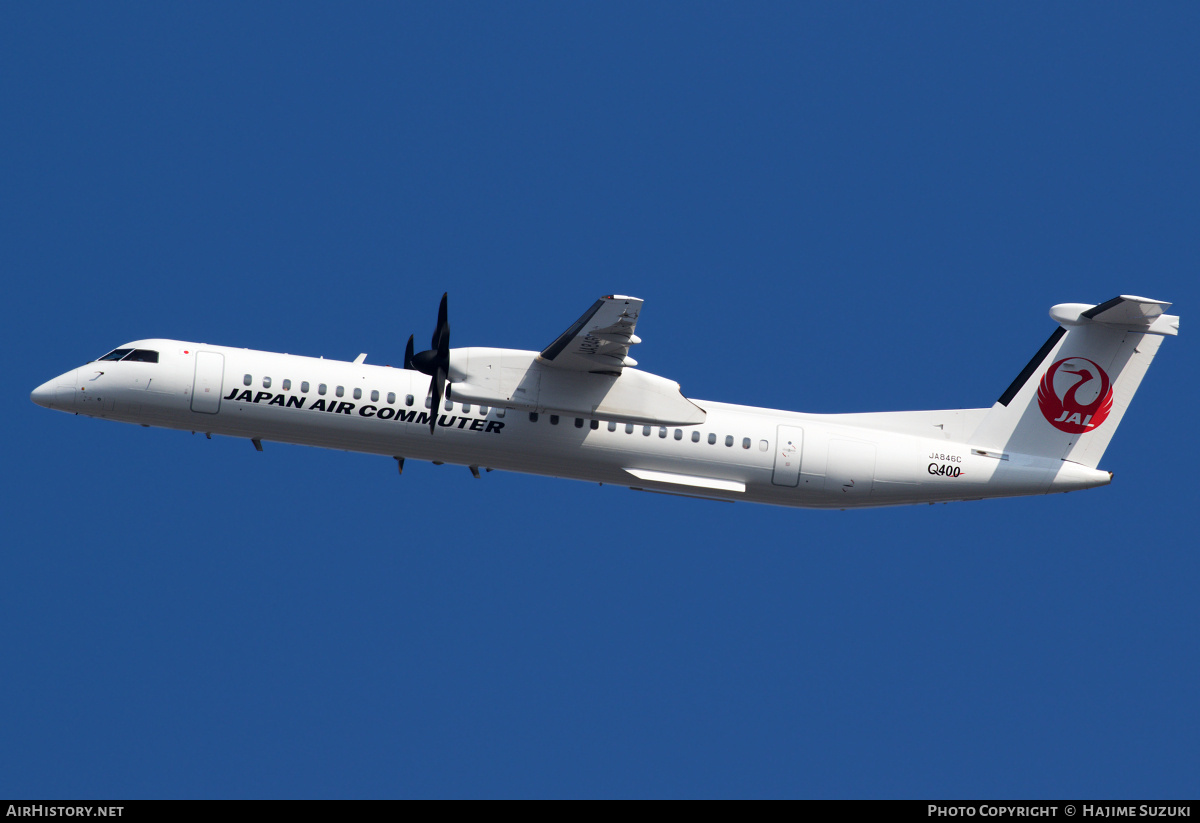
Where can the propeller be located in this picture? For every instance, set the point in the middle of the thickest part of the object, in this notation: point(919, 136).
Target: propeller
point(434, 361)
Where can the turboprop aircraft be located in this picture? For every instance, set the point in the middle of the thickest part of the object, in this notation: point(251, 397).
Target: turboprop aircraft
point(580, 409)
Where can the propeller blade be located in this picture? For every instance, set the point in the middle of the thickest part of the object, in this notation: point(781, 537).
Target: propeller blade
point(441, 334)
point(435, 408)
point(434, 361)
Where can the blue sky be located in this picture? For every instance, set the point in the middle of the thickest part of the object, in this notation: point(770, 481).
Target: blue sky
point(826, 207)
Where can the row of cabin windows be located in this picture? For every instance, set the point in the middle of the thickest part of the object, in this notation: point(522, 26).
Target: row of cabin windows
point(357, 394)
point(763, 445)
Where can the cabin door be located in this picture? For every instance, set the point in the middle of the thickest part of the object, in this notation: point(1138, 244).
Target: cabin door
point(788, 447)
point(206, 388)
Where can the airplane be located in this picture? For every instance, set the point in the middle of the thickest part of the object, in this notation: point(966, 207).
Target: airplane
point(581, 409)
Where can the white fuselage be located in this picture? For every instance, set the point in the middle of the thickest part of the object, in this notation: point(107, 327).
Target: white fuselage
point(738, 452)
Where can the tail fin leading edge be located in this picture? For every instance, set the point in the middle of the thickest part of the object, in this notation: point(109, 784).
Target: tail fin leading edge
point(1070, 398)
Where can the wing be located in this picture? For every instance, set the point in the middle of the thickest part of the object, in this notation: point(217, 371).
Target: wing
point(599, 341)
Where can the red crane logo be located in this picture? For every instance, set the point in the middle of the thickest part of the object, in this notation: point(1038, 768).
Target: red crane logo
point(1059, 395)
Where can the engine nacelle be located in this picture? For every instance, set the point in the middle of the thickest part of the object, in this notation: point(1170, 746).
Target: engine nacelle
point(514, 379)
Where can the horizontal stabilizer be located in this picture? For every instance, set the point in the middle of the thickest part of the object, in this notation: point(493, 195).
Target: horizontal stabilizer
point(1126, 312)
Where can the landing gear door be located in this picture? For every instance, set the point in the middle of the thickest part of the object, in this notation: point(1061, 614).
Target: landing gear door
point(789, 442)
point(206, 388)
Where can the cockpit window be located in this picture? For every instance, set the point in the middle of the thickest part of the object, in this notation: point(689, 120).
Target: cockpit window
point(132, 355)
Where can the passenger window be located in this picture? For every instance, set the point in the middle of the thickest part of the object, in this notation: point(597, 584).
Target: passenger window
point(533, 417)
point(695, 437)
point(247, 380)
point(579, 422)
point(500, 412)
point(448, 405)
point(483, 410)
point(321, 389)
point(662, 432)
point(358, 394)
point(629, 428)
point(728, 440)
point(712, 439)
point(554, 420)
point(428, 402)
point(304, 387)
point(595, 425)
point(142, 356)
point(266, 382)
point(408, 400)
point(340, 392)
point(612, 425)
point(679, 434)
point(745, 442)
point(117, 354)
point(391, 398)
point(466, 407)
point(374, 396)
point(287, 385)
point(646, 431)
point(763, 445)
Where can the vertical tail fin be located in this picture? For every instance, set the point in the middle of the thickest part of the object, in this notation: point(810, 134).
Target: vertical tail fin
point(1070, 398)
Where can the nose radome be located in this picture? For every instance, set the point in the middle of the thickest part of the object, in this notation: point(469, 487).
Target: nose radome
point(58, 393)
point(43, 395)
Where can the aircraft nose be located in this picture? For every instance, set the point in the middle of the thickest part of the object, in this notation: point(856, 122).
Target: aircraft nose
point(43, 395)
point(58, 393)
